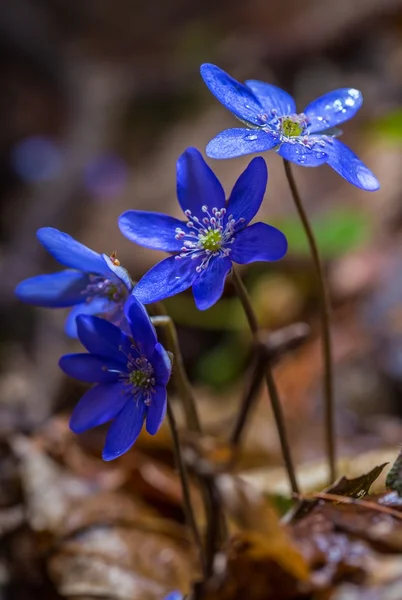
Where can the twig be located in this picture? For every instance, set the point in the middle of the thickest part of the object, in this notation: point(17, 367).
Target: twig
point(249, 399)
point(270, 381)
point(356, 501)
point(188, 509)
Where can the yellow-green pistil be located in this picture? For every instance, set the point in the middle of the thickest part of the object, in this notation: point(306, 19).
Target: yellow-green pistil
point(139, 379)
point(212, 240)
point(291, 128)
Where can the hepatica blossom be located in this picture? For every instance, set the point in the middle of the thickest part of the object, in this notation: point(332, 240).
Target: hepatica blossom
point(130, 373)
point(214, 235)
point(94, 284)
point(271, 122)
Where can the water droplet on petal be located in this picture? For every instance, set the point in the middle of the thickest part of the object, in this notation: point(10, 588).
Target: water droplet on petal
point(251, 137)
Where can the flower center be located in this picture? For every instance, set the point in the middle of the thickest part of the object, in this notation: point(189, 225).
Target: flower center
point(139, 376)
point(105, 288)
point(139, 379)
point(288, 127)
point(291, 127)
point(207, 237)
point(212, 240)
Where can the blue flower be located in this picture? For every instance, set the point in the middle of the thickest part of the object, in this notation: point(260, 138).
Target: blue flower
point(95, 284)
point(214, 235)
point(270, 114)
point(174, 596)
point(131, 374)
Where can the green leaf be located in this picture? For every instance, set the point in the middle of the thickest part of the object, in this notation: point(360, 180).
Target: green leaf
point(338, 231)
point(227, 314)
point(389, 126)
point(223, 363)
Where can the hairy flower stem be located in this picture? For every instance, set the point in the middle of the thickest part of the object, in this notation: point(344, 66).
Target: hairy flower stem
point(187, 506)
point(325, 324)
point(249, 399)
point(269, 378)
point(179, 374)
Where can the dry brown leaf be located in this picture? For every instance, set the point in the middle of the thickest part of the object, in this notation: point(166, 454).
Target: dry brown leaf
point(248, 571)
point(314, 476)
point(258, 518)
point(353, 488)
point(113, 545)
point(121, 562)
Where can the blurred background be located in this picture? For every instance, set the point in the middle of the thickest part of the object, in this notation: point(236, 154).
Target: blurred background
point(98, 100)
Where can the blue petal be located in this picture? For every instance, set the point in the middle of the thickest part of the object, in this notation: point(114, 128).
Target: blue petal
point(333, 108)
point(120, 272)
point(197, 185)
point(103, 338)
point(157, 410)
point(272, 97)
point(208, 288)
point(311, 154)
point(167, 278)
point(96, 306)
point(97, 406)
point(143, 331)
point(71, 253)
point(258, 242)
point(237, 142)
point(248, 192)
point(54, 290)
point(174, 596)
point(125, 429)
point(348, 165)
point(235, 96)
point(151, 230)
point(91, 368)
point(161, 365)
point(117, 316)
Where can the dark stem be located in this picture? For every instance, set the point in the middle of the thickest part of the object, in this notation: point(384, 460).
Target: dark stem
point(248, 401)
point(215, 524)
point(179, 375)
point(187, 506)
point(269, 378)
point(325, 323)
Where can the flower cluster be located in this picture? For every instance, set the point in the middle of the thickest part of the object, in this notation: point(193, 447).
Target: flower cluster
point(129, 368)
